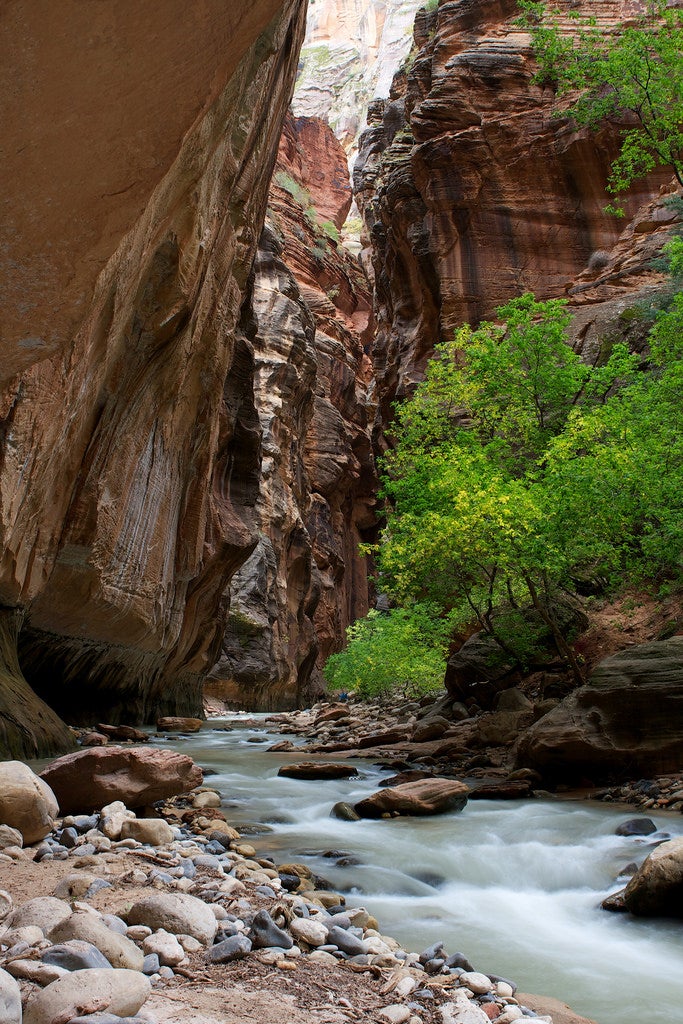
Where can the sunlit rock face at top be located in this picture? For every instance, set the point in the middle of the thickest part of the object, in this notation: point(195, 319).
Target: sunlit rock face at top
point(350, 55)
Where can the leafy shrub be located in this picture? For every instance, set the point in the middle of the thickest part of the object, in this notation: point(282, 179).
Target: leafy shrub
point(403, 650)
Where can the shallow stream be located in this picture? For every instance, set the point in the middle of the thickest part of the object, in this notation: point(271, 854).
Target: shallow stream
point(516, 886)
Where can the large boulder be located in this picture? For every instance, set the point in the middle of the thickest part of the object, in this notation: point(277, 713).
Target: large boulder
point(27, 802)
point(656, 889)
point(119, 992)
point(628, 720)
point(426, 796)
point(177, 913)
point(89, 779)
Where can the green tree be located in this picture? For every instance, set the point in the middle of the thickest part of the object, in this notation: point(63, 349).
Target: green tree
point(519, 469)
point(403, 650)
point(632, 77)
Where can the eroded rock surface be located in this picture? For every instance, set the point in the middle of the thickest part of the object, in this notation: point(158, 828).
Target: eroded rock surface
point(130, 447)
point(471, 191)
point(628, 720)
point(305, 581)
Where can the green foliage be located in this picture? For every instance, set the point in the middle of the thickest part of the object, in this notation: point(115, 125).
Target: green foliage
point(297, 191)
point(519, 469)
point(633, 77)
point(403, 650)
point(329, 228)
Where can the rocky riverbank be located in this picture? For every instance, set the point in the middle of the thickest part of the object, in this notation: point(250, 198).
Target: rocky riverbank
point(440, 736)
point(200, 929)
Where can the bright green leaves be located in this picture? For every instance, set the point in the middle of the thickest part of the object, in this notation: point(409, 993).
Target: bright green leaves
point(632, 77)
point(519, 470)
point(402, 650)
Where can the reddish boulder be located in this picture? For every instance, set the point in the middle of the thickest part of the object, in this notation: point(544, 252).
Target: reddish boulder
point(89, 779)
point(124, 732)
point(382, 739)
point(173, 724)
point(426, 796)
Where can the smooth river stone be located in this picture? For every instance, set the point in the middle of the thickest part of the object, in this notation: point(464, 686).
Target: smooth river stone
point(178, 913)
point(44, 912)
point(121, 992)
point(27, 802)
point(119, 950)
point(10, 999)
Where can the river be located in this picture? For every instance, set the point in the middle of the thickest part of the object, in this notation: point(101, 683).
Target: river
point(516, 886)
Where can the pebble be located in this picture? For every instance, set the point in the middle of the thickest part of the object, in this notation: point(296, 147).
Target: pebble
point(395, 1014)
point(476, 982)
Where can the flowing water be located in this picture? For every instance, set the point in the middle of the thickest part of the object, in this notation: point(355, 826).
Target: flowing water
point(516, 886)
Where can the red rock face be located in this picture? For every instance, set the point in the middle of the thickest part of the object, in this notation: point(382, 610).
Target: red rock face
point(304, 582)
point(130, 457)
point(471, 191)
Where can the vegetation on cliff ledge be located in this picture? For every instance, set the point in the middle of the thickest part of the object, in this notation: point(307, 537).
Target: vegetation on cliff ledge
point(632, 78)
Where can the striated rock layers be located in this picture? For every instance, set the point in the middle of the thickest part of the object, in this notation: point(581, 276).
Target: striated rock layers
point(129, 452)
point(471, 191)
point(626, 721)
point(304, 582)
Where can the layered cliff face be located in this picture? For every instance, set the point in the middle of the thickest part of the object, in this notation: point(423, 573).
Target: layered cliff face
point(471, 191)
point(304, 582)
point(130, 445)
point(351, 51)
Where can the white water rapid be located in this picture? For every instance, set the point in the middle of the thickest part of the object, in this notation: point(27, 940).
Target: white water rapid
point(516, 886)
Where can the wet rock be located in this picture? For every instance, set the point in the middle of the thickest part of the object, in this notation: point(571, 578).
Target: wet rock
point(411, 775)
point(656, 889)
point(136, 776)
point(175, 724)
point(120, 992)
point(264, 932)
point(344, 811)
point(317, 770)
point(27, 802)
point(501, 789)
point(178, 913)
point(124, 732)
point(615, 902)
point(426, 796)
point(636, 827)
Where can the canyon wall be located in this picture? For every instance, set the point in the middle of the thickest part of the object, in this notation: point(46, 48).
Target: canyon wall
point(305, 582)
point(134, 192)
point(472, 191)
point(350, 54)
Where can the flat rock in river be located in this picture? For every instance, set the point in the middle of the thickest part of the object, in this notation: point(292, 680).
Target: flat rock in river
point(426, 796)
point(317, 770)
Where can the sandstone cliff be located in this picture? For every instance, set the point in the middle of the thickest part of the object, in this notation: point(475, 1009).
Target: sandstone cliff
point(135, 190)
point(471, 190)
point(351, 51)
point(293, 598)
